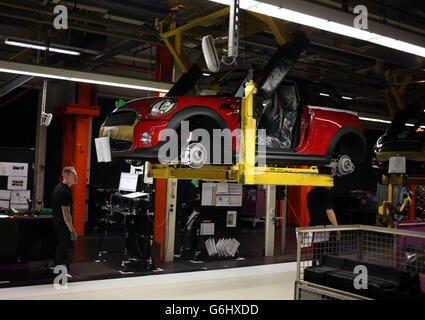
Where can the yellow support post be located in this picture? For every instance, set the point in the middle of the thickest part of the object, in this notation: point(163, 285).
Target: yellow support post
point(245, 172)
point(196, 22)
point(248, 127)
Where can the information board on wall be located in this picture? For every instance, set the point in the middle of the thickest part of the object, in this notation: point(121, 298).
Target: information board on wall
point(17, 192)
point(13, 169)
point(222, 194)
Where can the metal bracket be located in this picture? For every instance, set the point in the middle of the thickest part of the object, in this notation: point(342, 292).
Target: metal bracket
point(245, 172)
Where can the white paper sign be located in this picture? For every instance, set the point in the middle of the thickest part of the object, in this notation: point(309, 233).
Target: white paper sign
point(397, 165)
point(222, 201)
point(4, 204)
point(4, 194)
point(235, 188)
point(321, 236)
point(146, 179)
point(207, 229)
point(235, 201)
point(103, 149)
point(232, 246)
point(211, 248)
point(20, 196)
point(208, 194)
point(307, 239)
point(15, 169)
point(222, 188)
point(4, 168)
point(231, 219)
point(17, 183)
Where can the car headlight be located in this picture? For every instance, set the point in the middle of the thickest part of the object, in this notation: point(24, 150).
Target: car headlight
point(146, 138)
point(162, 107)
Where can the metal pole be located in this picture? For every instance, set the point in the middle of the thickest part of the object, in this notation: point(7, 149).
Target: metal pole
point(269, 222)
point(299, 241)
point(170, 219)
point(283, 226)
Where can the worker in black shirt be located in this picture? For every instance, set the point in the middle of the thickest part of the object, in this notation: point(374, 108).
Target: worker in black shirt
point(62, 204)
point(320, 209)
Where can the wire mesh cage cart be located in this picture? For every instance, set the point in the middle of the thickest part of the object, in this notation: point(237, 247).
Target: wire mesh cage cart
point(358, 262)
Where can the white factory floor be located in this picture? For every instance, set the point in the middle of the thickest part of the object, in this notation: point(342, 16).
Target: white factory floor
point(262, 282)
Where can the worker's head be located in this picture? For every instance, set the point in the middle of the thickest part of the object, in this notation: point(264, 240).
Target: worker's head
point(69, 175)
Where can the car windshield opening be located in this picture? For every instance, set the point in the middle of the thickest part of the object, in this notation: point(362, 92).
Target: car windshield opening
point(221, 84)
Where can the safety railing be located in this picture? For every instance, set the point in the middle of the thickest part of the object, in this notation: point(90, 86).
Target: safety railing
point(400, 249)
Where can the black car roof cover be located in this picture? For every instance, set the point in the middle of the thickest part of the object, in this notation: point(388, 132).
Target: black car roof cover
point(280, 64)
point(271, 76)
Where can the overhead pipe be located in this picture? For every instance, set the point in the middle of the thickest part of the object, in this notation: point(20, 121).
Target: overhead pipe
point(84, 29)
point(150, 9)
point(73, 16)
point(21, 94)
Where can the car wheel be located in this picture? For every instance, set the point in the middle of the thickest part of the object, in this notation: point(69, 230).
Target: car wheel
point(344, 166)
point(195, 155)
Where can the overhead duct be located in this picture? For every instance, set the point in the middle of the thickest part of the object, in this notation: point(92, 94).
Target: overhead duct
point(13, 84)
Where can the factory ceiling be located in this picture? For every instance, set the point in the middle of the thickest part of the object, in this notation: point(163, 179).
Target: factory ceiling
point(120, 38)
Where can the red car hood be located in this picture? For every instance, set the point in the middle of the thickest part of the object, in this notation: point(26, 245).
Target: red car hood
point(144, 104)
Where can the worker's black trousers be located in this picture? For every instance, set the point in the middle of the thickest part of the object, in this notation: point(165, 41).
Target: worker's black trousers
point(321, 249)
point(64, 252)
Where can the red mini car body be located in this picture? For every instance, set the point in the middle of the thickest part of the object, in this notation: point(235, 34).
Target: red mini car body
point(305, 122)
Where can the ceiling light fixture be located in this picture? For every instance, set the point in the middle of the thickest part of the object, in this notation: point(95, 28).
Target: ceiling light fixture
point(347, 98)
point(279, 11)
point(77, 76)
point(385, 121)
point(40, 47)
point(374, 120)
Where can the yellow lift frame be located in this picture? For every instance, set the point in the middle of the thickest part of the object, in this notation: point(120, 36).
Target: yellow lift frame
point(245, 172)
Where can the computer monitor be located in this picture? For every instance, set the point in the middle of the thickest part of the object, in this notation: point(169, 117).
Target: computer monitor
point(128, 182)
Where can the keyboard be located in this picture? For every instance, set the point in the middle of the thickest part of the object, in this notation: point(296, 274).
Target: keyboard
point(135, 195)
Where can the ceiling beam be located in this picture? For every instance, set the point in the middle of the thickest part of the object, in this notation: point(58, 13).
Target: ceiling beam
point(78, 76)
point(13, 84)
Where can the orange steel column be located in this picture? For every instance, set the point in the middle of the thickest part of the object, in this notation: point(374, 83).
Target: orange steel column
point(164, 66)
point(75, 142)
point(164, 72)
point(297, 205)
point(159, 217)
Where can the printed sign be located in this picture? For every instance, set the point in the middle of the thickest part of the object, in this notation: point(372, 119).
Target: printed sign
point(207, 229)
point(4, 204)
point(17, 183)
point(20, 196)
point(13, 169)
point(4, 195)
point(103, 149)
point(231, 219)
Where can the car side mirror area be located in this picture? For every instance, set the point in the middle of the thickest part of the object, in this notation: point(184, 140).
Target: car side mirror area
point(210, 54)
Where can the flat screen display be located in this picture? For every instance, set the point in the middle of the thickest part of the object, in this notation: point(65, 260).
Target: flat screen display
point(128, 182)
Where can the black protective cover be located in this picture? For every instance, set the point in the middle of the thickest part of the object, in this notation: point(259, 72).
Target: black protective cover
point(279, 116)
point(185, 82)
point(277, 105)
point(384, 282)
point(279, 65)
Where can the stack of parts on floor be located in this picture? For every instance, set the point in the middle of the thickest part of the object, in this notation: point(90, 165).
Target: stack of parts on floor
point(223, 248)
point(383, 282)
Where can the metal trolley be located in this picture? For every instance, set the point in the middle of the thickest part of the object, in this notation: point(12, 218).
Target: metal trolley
point(395, 248)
